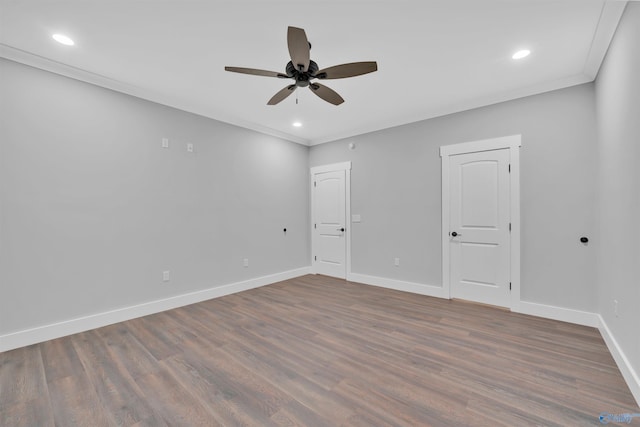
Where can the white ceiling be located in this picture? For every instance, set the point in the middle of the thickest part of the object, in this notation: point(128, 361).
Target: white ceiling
point(434, 57)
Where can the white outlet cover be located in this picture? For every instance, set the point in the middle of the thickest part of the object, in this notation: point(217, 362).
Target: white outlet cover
point(190, 148)
point(165, 142)
point(246, 262)
point(166, 276)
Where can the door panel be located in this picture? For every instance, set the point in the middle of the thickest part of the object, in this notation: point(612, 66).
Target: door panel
point(330, 198)
point(480, 215)
point(329, 215)
point(479, 202)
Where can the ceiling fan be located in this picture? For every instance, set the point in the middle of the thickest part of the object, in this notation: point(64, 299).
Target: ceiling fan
point(303, 70)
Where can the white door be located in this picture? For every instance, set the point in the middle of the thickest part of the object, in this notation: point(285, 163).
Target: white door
point(329, 223)
point(479, 225)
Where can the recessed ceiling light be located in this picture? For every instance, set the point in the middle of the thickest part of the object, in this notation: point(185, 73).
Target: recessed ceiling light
point(297, 124)
point(521, 54)
point(65, 40)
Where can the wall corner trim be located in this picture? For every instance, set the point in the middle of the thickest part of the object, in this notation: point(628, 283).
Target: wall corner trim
point(72, 326)
point(605, 30)
point(628, 373)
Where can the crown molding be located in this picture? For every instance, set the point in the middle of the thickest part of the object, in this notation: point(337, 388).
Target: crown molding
point(605, 30)
point(17, 55)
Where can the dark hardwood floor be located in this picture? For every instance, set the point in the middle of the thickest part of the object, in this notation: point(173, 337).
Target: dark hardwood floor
point(316, 351)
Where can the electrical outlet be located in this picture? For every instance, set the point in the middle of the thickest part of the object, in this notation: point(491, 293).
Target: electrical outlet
point(396, 262)
point(615, 307)
point(166, 276)
point(165, 142)
point(246, 262)
point(190, 148)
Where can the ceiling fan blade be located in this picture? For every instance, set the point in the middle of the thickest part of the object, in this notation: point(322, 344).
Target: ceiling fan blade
point(347, 70)
point(299, 49)
point(281, 95)
point(256, 72)
point(329, 95)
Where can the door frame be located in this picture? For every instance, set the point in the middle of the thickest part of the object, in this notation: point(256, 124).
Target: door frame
point(513, 143)
point(334, 167)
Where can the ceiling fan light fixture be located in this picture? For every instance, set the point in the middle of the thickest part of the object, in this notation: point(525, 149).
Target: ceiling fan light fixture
point(62, 39)
point(304, 71)
point(521, 54)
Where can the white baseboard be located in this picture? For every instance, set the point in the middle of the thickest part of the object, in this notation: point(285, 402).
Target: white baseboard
point(81, 324)
point(569, 315)
point(399, 285)
point(628, 373)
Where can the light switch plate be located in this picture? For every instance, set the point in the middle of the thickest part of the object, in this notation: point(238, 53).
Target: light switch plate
point(355, 218)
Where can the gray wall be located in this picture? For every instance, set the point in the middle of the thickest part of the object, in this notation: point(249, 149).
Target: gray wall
point(396, 187)
point(92, 209)
point(618, 104)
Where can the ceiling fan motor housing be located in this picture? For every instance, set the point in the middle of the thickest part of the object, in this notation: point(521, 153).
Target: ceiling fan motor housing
point(302, 77)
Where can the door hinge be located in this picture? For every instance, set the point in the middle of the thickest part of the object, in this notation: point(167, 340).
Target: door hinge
point(315, 225)
point(315, 258)
point(509, 285)
point(315, 184)
point(509, 227)
point(509, 167)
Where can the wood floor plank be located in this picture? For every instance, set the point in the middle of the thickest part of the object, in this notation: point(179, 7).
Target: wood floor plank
point(117, 391)
point(20, 376)
point(24, 398)
point(60, 359)
point(76, 404)
point(174, 403)
point(295, 413)
point(318, 351)
point(35, 412)
point(151, 332)
point(220, 381)
point(125, 349)
point(302, 387)
point(205, 386)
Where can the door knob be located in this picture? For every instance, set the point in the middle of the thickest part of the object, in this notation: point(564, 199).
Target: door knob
point(341, 229)
point(454, 234)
